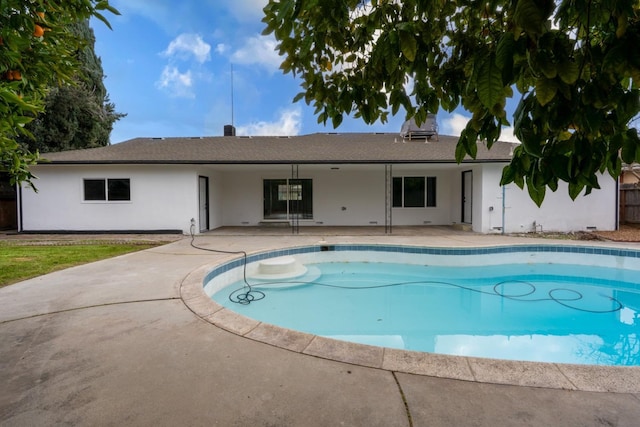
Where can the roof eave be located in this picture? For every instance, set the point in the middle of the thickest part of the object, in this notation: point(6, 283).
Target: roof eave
point(262, 162)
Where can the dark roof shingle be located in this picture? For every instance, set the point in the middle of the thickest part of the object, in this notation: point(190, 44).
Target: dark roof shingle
point(303, 149)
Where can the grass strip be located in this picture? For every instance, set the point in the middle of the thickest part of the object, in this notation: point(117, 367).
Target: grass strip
point(21, 262)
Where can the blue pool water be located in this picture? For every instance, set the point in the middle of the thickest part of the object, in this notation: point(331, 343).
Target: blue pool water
point(536, 312)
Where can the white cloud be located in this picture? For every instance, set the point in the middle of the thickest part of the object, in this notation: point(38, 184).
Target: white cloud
point(176, 83)
point(454, 125)
point(409, 84)
point(288, 124)
point(258, 50)
point(221, 48)
point(186, 45)
point(508, 135)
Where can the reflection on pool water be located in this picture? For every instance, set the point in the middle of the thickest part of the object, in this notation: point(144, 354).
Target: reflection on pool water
point(531, 310)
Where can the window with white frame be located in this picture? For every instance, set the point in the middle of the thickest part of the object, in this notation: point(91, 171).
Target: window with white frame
point(414, 192)
point(111, 189)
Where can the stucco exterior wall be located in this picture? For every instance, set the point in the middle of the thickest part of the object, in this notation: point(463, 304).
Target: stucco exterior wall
point(162, 198)
point(557, 213)
point(242, 198)
point(165, 197)
point(445, 199)
point(347, 196)
point(216, 200)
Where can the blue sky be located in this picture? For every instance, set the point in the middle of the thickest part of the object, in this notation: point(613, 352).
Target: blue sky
point(168, 67)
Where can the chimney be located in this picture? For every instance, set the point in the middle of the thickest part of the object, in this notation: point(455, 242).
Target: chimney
point(229, 130)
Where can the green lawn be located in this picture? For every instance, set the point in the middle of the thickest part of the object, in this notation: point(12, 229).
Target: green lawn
point(20, 262)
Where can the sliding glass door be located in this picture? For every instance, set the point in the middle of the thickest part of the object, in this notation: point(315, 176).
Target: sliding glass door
point(285, 199)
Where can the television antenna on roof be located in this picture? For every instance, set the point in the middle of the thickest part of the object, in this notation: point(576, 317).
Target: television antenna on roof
point(232, 123)
point(230, 130)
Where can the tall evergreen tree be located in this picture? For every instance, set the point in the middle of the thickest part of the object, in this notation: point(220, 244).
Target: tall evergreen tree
point(77, 115)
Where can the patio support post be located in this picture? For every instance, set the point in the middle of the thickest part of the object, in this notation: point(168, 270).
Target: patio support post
point(388, 198)
point(294, 216)
point(503, 206)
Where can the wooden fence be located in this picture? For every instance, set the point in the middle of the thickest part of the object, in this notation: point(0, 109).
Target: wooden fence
point(629, 204)
point(8, 207)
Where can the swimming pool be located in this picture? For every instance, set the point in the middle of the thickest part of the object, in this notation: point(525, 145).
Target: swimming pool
point(568, 304)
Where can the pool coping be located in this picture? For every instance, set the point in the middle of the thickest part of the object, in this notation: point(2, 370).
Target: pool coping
point(593, 378)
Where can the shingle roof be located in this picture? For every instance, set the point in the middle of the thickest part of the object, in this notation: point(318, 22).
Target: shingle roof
point(303, 149)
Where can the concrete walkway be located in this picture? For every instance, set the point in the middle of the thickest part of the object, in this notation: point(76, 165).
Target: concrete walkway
point(114, 343)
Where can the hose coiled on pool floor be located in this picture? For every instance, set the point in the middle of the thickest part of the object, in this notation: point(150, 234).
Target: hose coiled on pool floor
point(245, 295)
point(248, 294)
point(577, 296)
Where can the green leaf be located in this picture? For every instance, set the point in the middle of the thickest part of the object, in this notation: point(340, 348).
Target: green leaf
point(103, 19)
point(532, 145)
point(529, 17)
point(614, 167)
point(391, 63)
point(521, 112)
point(536, 191)
point(508, 175)
point(622, 25)
point(545, 90)
point(560, 165)
point(519, 180)
point(469, 139)
point(336, 120)
point(489, 80)
point(460, 152)
point(632, 137)
point(568, 71)
point(505, 50)
point(466, 144)
point(629, 148)
point(546, 65)
point(615, 60)
point(104, 5)
point(408, 45)
point(575, 189)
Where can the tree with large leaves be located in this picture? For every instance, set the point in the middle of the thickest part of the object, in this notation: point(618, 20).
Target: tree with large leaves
point(574, 64)
point(38, 51)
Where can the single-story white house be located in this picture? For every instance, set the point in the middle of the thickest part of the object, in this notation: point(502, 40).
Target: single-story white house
point(333, 179)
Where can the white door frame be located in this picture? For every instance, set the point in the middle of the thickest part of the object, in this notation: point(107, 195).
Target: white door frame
point(203, 202)
point(467, 197)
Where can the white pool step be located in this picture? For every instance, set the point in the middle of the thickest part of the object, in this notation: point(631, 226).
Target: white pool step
point(284, 267)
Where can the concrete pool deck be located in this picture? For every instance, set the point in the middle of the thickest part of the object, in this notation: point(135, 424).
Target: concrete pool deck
point(130, 340)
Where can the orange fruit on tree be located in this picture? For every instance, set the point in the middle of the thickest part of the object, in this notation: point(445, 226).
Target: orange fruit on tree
point(40, 14)
point(38, 31)
point(16, 75)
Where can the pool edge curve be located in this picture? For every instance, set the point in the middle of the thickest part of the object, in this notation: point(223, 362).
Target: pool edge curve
point(593, 378)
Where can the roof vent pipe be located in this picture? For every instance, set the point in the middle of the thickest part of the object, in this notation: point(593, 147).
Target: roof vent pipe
point(229, 130)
